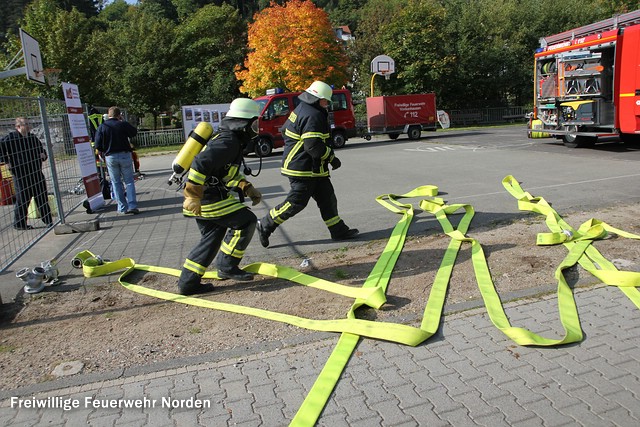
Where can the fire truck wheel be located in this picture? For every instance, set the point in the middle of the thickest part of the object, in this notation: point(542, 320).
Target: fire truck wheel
point(572, 140)
point(338, 139)
point(263, 147)
point(414, 132)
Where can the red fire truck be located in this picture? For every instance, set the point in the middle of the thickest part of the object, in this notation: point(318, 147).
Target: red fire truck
point(392, 115)
point(274, 111)
point(587, 82)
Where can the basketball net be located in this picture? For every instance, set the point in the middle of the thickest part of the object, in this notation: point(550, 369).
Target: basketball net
point(51, 75)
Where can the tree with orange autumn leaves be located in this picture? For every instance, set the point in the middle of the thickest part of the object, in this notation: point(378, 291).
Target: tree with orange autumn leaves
point(290, 46)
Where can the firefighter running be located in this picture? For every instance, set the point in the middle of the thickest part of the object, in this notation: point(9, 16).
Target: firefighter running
point(305, 161)
point(226, 225)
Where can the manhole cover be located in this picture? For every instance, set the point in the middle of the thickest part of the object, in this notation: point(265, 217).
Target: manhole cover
point(68, 368)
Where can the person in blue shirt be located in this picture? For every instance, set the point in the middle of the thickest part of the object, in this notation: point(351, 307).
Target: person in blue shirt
point(112, 142)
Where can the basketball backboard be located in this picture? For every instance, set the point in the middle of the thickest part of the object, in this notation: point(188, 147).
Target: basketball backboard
point(383, 65)
point(30, 54)
point(32, 59)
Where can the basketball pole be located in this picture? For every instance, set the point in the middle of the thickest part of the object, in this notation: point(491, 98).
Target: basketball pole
point(382, 73)
point(372, 77)
point(9, 72)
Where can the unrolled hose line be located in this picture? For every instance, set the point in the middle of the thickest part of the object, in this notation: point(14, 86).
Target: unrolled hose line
point(373, 292)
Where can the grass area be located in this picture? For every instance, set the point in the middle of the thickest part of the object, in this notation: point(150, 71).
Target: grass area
point(160, 149)
point(7, 348)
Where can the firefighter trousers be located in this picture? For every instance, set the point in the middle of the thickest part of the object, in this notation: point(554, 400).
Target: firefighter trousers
point(229, 235)
point(321, 190)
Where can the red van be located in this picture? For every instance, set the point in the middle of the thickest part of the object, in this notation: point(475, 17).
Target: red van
point(276, 107)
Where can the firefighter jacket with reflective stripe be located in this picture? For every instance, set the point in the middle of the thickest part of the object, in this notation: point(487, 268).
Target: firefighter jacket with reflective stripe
point(217, 167)
point(95, 120)
point(306, 142)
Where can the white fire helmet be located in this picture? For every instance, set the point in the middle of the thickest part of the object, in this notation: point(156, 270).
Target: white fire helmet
point(320, 90)
point(243, 108)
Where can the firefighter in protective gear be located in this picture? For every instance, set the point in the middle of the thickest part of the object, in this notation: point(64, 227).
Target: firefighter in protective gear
point(95, 120)
point(305, 161)
point(226, 225)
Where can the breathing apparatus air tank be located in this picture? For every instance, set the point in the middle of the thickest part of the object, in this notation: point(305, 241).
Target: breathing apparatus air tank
point(198, 138)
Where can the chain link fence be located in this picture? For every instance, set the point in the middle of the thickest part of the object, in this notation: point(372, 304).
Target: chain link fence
point(65, 188)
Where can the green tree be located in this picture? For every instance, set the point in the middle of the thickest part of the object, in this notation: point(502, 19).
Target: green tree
point(210, 43)
point(415, 40)
point(65, 47)
point(86, 7)
point(115, 11)
point(344, 12)
point(186, 8)
point(63, 38)
point(374, 16)
point(493, 42)
point(11, 12)
point(138, 67)
point(161, 8)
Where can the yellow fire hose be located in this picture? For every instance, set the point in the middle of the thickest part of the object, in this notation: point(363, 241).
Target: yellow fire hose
point(373, 292)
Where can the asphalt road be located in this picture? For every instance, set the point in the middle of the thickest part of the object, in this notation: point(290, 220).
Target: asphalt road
point(468, 167)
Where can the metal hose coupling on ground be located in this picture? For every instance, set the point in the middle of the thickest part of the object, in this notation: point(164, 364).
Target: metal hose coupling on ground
point(91, 261)
point(51, 273)
point(34, 279)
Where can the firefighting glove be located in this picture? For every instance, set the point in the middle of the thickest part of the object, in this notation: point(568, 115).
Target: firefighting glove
point(193, 198)
point(335, 163)
point(250, 191)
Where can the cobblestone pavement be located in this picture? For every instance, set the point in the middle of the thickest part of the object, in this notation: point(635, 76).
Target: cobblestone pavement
point(469, 374)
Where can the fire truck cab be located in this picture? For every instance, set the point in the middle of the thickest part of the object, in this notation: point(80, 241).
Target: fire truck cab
point(587, 82)
point(276, 106)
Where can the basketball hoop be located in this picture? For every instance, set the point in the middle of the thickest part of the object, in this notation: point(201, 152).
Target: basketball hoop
point(51, 75)
point(382, 65)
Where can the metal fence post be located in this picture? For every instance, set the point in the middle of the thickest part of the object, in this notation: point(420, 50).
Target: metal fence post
point(52, 163)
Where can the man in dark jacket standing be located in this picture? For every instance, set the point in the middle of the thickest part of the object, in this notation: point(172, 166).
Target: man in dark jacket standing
point(112, 142)
point(305, 162)
point(25, 154)
point(226, 225)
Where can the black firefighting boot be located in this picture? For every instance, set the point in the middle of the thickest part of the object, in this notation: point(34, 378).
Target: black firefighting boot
point(228, 269)
point(341, 231)
point(189, 284)
point(235, 273)
point(263, 232)
point(349, 234)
